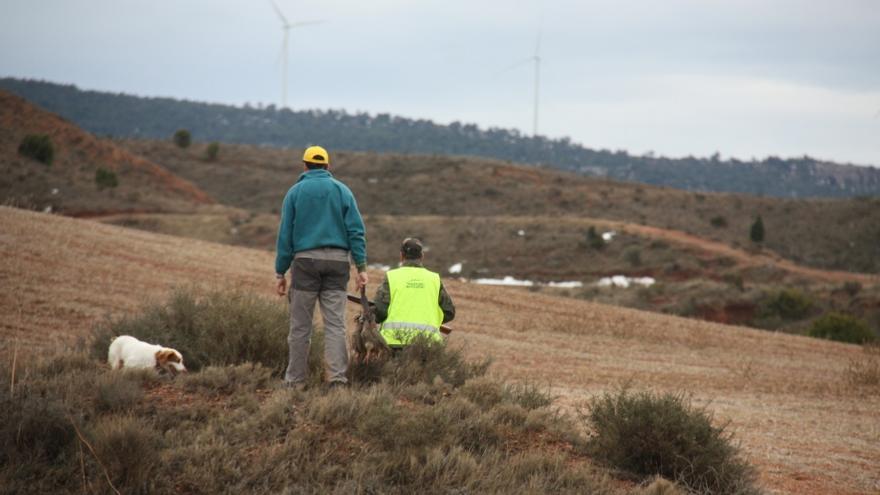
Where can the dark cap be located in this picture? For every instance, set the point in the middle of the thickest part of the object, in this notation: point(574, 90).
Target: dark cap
point(411, 248)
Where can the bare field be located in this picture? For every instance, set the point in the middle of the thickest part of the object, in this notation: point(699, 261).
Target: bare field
point(785, 396)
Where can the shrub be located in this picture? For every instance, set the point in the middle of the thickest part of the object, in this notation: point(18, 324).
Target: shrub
point(215, 328)
point(117, 391)
point(842, 328)
point(423, 360)
point(633, 256)
point(718, 221)
point(528, 395)
point(594, 240)
point(227, 380)
point(182, 138)
point(38, 147)
point(212, 150)
point(648, 434)
point(865, 371)
point(129, 448)
point(852, 288)
point(790, 304)
point(33, 429)
point(105, 179)
point(756, 233)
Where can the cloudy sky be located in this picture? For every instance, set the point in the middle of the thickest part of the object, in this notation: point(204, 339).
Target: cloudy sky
point(747, 78)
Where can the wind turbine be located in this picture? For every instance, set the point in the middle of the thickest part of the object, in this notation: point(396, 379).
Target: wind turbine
point(286, 26)
point(535, 59)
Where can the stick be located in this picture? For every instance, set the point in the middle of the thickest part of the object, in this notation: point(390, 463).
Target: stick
point(14, 362)
point(82, 466)
point(83, 440)
point(356, 299)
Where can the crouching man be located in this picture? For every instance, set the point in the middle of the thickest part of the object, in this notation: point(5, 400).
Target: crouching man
point(412, 300)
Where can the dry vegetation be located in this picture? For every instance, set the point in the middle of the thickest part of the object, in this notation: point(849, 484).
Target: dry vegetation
point(790, 400)
point(837, 234)
point(68, 185)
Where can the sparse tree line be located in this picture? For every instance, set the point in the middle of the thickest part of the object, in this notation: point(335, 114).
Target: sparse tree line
point(157, 118)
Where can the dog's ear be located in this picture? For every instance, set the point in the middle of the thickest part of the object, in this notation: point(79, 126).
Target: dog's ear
point(174, 356)
point(162, 357)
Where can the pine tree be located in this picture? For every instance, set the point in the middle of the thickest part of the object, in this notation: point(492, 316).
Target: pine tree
point(757, 231)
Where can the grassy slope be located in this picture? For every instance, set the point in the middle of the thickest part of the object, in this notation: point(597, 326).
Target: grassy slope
point(838, 234)
point(143, 185)
point(785, 395)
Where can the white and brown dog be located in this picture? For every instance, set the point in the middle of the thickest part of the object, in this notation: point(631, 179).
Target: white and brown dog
point(129, 352)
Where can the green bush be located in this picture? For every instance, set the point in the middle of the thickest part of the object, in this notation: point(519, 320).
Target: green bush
point(718, 222)
point(212, 151)
point(842, 328)
point(425, 360)
point(647, 435)
point(756, 232)
point(594, 240)
point(215, 328)
point(37, 146)
point(182, 138)
point(105, 179)
point(790, 304)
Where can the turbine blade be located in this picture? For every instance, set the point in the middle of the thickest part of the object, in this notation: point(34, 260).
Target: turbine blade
point(278, 11)
point(515, 65)
point(305, 23)
point(538, 45)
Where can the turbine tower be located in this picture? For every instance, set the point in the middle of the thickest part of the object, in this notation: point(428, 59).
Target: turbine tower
point(286, 26)
point(536, 60)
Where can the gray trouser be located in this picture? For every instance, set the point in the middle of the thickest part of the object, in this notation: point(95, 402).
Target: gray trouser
point(323, 281)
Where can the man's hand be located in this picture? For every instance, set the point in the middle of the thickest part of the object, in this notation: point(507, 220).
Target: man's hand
point(362, 280)
point(281, 287)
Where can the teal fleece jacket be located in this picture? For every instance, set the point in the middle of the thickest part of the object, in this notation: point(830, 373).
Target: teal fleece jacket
point(319, 211)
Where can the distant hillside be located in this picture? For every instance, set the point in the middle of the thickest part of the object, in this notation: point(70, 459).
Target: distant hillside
point(131, 116)
point(68, 184)
point(841, 234)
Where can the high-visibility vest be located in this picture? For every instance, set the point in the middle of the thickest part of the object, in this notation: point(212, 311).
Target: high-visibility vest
point(414, 308)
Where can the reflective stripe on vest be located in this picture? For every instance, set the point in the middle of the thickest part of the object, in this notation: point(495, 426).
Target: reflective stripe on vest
point(414, 307)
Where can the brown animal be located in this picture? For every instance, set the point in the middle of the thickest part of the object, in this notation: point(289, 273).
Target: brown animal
point(367, 344)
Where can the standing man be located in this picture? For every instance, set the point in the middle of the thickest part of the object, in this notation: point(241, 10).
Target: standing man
point(412, 300)
point(320, 229)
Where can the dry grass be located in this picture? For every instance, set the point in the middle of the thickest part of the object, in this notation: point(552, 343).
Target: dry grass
point(800, 423)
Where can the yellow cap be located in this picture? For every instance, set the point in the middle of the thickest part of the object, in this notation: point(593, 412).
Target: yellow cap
point(316, 154)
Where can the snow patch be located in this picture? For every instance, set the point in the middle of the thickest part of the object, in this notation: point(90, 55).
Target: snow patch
point(608, 236)
point(521, 233)
point(377, 266)
point(624, 282)
point(508, 280)
point(456, 268)
point(572, 284)
point(54, 191)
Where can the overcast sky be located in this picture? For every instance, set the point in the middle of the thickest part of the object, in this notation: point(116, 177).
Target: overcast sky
point(746, 78)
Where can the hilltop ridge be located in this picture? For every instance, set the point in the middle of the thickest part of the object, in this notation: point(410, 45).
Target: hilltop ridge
point(122, 115)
